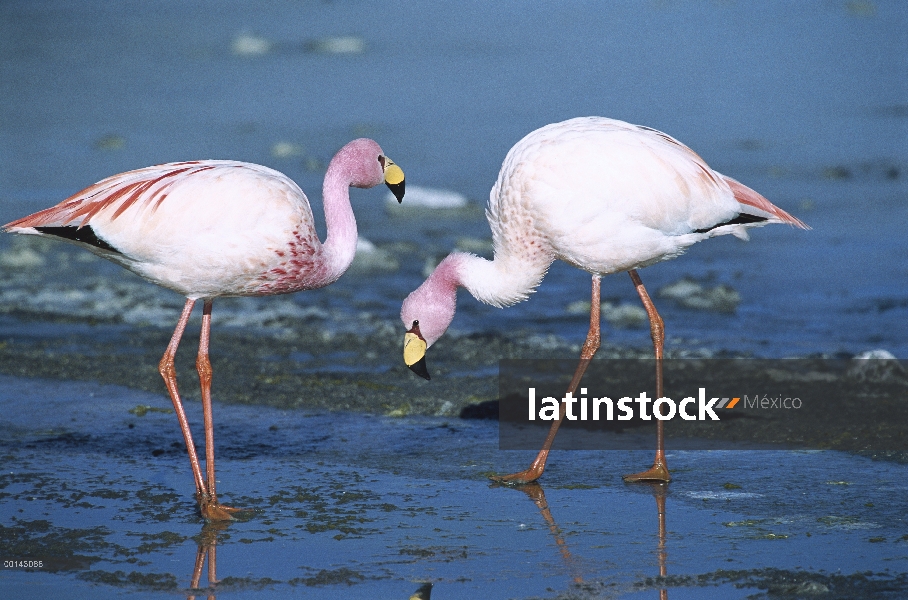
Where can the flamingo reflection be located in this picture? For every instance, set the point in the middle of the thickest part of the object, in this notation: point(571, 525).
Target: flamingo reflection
point(659, 491)
point(535, 493)
point(207, 547)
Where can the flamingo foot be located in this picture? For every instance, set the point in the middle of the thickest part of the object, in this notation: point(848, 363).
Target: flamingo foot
point(522, 478)
point(658, 472)
point(212, 510)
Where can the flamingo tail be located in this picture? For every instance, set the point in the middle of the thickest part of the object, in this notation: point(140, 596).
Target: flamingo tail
point(746, 196)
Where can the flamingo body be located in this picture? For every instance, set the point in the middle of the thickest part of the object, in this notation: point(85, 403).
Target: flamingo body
point(604, 196)
point(215, 228)
point(203, 229)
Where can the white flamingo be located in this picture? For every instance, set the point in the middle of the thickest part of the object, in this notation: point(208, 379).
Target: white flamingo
point(604, 196)
point(213, 228)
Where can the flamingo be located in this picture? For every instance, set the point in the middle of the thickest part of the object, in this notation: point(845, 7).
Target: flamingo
point(604, 196)
point(213, 228)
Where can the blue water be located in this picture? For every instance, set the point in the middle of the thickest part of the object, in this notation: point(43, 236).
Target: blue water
point(397, 501)
point(805, 102)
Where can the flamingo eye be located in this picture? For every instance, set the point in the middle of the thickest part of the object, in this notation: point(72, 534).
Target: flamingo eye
point(381, 161)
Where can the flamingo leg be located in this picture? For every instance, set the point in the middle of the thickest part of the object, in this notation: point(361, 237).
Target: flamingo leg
point(590, 346)
point(210, 508)
point(203, 365)
point(659, 470)
point(168, 372)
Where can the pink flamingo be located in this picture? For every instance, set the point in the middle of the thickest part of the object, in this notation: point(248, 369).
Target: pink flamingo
point(214, 228)
point(604, 196)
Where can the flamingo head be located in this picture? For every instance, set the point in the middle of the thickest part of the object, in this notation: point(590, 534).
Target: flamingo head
point(368, 166)
point(428, 311)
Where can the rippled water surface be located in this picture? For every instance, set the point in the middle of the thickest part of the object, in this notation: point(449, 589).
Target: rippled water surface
point(805, 102)
point(354, 506)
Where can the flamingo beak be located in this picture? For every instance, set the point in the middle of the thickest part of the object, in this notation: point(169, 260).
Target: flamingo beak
point(415, 351)
point(394, 178)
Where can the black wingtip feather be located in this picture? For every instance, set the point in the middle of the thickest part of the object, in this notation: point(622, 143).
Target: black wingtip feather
point(742, 219)
point(85, 234)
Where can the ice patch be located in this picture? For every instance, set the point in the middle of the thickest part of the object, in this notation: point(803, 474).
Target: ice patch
point(622, 316)
point(425, 197)
point(690, 294)
point(721, 495)
point(370, 257)
point(247, 44)
point(286, 150)
point(342, 44)
point(21, 258)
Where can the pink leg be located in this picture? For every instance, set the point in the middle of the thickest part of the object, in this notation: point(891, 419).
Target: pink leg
point(659, 470)
point(203, 365)
point(208, 505)
point(168, 372)
point(211, 509)
point(589, 349)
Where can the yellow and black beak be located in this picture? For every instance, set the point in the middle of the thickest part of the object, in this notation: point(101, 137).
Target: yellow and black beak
point(423, 593)
point(394, 177)
point(415, 351)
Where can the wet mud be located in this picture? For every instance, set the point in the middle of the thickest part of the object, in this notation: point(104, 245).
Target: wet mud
point(96, 482)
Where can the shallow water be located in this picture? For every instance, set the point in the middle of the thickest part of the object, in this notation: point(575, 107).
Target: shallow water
point(369, 506)
point(804, 102)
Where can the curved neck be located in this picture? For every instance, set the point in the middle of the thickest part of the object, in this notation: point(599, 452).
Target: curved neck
point(339, 247)
point(500, 282)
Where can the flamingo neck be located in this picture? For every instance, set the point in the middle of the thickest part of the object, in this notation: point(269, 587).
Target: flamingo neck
point(339, 247)
point(500, 282)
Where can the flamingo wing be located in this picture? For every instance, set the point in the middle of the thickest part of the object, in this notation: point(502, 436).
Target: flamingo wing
point(146, 187)
point(202, 228)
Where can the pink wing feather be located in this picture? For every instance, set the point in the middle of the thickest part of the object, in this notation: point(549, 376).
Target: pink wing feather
point(743, 194)
point(148, 186)
point(747, 196)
